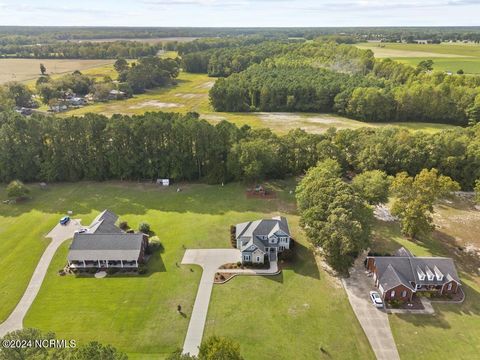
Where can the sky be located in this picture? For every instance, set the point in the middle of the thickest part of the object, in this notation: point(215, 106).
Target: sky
point(240, 13)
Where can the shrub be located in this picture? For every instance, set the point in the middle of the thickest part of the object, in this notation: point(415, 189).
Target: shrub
point(239, 263)
point(154, 244)
point(286, 255)
point(144, 228)
point(124, 226)
point(111, 271)
point(92, 270)
point(16, 189)
point(142, 269)
point(395, 303)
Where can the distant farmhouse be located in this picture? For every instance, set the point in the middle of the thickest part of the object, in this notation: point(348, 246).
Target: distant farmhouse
point(262, 238)
point(400, 276)
point(104, 245)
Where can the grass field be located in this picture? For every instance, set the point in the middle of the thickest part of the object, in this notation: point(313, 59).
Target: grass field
point(138, 314)
point(191, 94)
point(29, 69)
point(453, 331)
point(445, 56)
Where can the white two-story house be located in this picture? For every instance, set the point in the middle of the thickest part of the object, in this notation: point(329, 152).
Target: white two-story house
point(261, 238)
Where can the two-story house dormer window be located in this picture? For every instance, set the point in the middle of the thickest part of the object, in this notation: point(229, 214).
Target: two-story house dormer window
point(421, 274)
point(438, 273)
point(430, 274)
point(273, 240)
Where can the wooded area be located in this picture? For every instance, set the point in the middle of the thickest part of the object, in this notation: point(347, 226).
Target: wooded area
point(182, 147)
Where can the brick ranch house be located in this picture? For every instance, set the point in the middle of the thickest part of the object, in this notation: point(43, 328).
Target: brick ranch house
point(400, 276)
point(104, 245)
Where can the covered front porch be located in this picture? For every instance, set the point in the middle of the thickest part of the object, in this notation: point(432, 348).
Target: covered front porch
point(84, 264)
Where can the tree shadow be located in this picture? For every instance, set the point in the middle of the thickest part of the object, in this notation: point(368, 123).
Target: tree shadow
point(303, 262)
point(277, 278)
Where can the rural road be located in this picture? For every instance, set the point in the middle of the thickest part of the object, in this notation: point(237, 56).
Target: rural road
point(210, 260)
point(59, 234)
point(373, 321)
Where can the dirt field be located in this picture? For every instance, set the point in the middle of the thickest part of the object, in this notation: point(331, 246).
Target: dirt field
point(27, 69)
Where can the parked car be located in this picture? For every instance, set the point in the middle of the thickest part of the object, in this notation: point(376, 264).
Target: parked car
point(376, 299)
point(81, 231)
point(64, 220)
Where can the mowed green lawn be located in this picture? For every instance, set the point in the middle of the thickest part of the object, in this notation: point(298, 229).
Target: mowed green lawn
point(138, 314)
point(302, 313)
point(23, 227)
point(454, 330)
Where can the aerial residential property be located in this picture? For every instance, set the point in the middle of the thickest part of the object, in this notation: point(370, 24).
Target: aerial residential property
point(104, 245)
point(262, 238)
point(403, 275)
point(240, 180)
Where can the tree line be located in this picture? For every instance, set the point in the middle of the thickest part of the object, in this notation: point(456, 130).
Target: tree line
point(81, 50)
point(321, 77)
point(183, 147)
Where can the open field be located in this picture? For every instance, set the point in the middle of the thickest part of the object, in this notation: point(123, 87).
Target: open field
point(445, 56)
point(191, 94)
point(138, 314)
point(453, 326)
point(29, 69)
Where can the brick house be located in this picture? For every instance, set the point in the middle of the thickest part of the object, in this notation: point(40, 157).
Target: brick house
point(400, 276)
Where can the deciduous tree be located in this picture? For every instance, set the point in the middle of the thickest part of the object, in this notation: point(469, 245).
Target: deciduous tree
point(415, 197)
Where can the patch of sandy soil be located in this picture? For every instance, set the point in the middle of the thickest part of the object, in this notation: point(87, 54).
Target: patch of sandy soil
point(214, 118)
point(155, 103)
point(206, 85)
point(189, 96)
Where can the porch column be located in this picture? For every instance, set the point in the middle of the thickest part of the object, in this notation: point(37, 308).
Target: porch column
point(98, 263)
point(121, 262)
point(107, 263)
point(84, 264)
point(136, 263)
point(68, 263)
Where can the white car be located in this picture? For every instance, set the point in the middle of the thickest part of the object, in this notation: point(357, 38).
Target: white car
point(376, 299)
point(81, 231)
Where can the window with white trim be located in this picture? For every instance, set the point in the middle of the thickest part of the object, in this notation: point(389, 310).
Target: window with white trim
point(449, 287)
point(258, 258)
point(404, 293)
point(392, 294)
point(246, 257)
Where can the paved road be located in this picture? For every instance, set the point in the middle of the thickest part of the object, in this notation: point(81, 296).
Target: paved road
point(210, 260)
point(373, 321)
point(59, 234)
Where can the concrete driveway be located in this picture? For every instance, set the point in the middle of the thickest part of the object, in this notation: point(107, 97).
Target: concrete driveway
point(59, 234)
point(373, 321)
point(210, 260)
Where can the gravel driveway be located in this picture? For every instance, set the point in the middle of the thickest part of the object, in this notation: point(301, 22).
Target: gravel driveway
point(210, 260)
point(59, 234)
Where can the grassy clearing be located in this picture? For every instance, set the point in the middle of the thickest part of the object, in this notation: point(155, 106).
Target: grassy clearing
point(452, 327)
point(29, 69)
point(468, 65)
point(191, 94)
point(446, 56)
point(138, 314)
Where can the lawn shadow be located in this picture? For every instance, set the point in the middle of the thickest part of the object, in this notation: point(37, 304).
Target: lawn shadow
point(303, 262)
point(277, 278)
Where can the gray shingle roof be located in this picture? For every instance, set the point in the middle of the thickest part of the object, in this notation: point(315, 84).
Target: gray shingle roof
point(104, 223)
point(125, 247)
point(406, 270)
point(255, 230)
point(403, 252)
